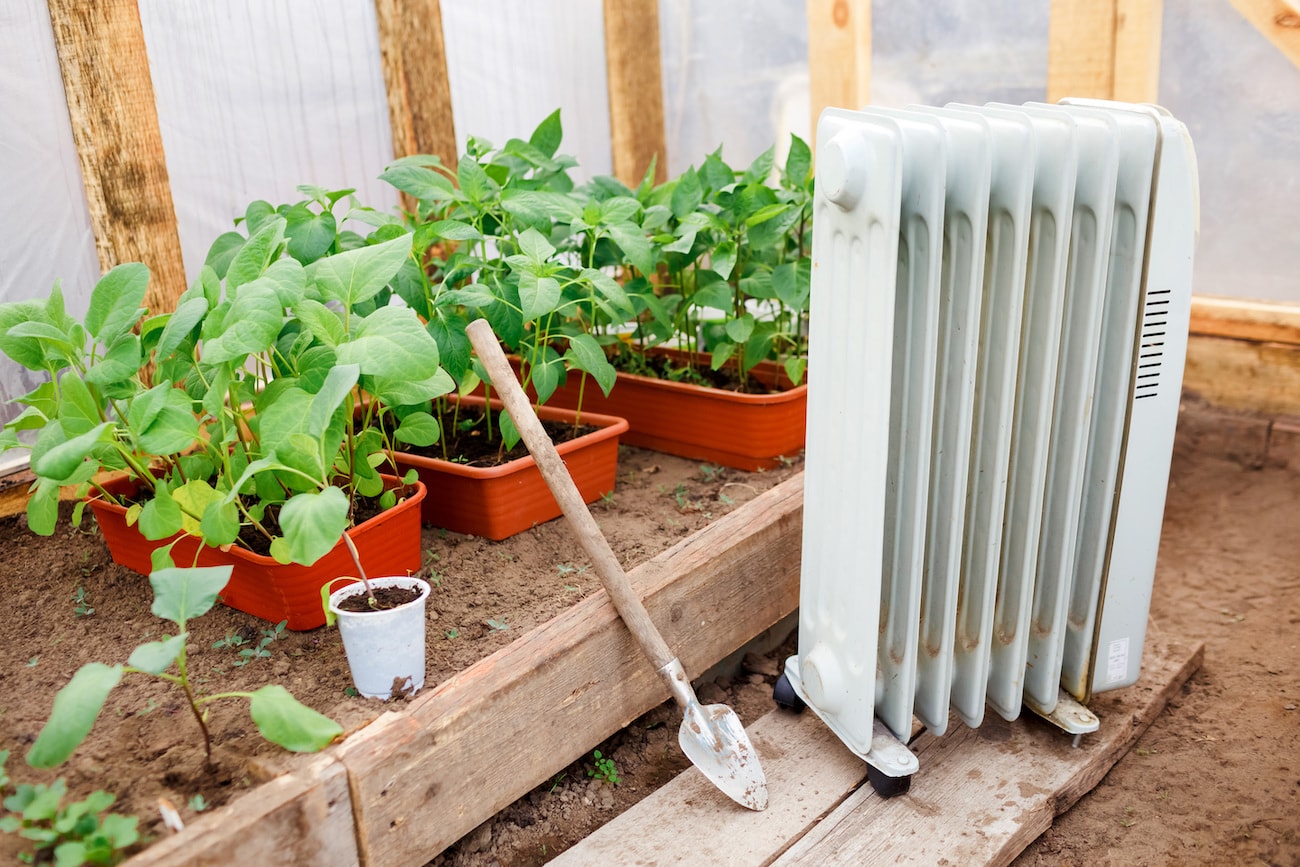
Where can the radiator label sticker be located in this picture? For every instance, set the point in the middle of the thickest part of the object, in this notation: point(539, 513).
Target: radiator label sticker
point(1117, 660)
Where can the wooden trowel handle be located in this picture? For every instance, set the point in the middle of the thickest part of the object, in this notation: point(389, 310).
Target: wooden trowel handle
point(566, 494)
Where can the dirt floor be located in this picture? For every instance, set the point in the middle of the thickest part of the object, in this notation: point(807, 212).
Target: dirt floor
point(1215, 780)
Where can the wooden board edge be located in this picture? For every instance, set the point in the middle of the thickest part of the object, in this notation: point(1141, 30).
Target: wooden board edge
point(853, 834)
point(303, 817)
point(471, 746)
point(1244, 375)
point(1259, 321)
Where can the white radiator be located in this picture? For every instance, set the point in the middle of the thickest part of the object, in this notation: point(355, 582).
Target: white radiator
point(999, 313)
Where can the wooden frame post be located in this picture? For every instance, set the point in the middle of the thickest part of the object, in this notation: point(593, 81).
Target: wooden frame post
point(1277, 21)
point(636, 92)
point(119, 145)
point(1104, 49)
point(414, 58)
point(839, 55)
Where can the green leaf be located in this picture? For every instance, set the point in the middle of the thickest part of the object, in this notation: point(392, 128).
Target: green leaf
point(188, 314)
point(253, 257)
point(798, 162)
point(418, 429)
point(449, 230)
point(155, 657)
point(585, 354)
point(220, 524)
point(791, 281)
point(223, 252)
point(760, 168)
point(43, 507)
point(289, 280)
point(687, 194)
point(182, 593)
point(425, 184)
point(635, 246)
point(611, 290)
point(313, 523)
point(534, 245)
point(194, 497)
point(250, 326)
point(357, 275)
point(163, 420)
point(546, 138)
point(337, 386)
point(391, 342)
point(284, 720)
point(538, 296)
point(795, 367)
point(310, 234)
point(400, 391)
point(56, 456)
point(76, 707)
point(115, 302)
point(161, 517)
point(323, 323)
point(740, 329)
point(723, 259)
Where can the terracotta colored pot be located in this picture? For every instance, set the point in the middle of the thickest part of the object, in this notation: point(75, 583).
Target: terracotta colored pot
point(498, 502)
point(745, 431)
point(389, 544)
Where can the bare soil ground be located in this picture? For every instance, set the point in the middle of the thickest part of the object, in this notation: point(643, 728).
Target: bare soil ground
point(1216, 780)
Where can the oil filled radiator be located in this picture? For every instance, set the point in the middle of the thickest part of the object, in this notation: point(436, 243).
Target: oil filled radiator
point(1000, 304)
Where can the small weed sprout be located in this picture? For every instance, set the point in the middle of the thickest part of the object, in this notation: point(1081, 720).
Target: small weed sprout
point(198, 803)
point(179, 595)
point(605, 769)
point(77, 833)
point(497, 624)
point(81, 603)
point(452, 633)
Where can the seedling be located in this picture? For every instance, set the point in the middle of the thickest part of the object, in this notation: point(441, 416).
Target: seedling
point(198, 803)
point(247, 654)
point(605, 769)
point(81, 603)
point(179, 595)
point(82, 832)
point(452, 633)
point(497, 624)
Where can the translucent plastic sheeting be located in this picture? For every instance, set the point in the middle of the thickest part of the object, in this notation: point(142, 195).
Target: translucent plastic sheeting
point(44, 223)
point(256, 98)
point(1240, 99)
point(512, 62)
point(736, 73)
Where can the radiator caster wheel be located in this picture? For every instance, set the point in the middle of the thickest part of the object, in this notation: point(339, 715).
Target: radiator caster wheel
point(887, 786)
point(785, 696)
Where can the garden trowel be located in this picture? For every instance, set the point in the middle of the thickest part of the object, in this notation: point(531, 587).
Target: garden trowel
point(711, 736)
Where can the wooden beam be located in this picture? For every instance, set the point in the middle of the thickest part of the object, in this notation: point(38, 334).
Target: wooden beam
point(636, 92)
point(1260, 321)
point(1242, 374)
point(119, 145)
point(1137, 50)
point(304, 817)
point(839, 55)
point(414, 58)
point(1277, 20)
point(1081, 49)
point(475, 743)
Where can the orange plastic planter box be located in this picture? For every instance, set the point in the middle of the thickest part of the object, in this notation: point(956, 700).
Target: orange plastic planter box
point(389, 544)
point(745, 431)
point(498, 502)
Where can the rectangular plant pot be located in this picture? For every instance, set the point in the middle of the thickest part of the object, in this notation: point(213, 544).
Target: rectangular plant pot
point(745, 431)
point(498, 502)
point(389, 544)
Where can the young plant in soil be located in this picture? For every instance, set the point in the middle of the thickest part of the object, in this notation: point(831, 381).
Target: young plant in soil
point(81, 832)
point(179, 596)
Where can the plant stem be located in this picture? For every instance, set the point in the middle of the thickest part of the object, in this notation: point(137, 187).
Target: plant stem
point(356, 559)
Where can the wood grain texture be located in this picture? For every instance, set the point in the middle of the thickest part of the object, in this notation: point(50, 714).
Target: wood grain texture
point(110, 95)
point(839, 54)
point(414, 59)
point(304, 817)
point(1277, 21)
point(1261, 321)
point(1137, 50)
point(636, 92)
point(478, 741)
point(1081, 49)
point(983, 795)
point(809, 772)
point(1242, 374)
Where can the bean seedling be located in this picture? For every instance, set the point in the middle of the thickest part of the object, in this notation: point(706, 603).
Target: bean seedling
point(605, 769)
point(179, 595)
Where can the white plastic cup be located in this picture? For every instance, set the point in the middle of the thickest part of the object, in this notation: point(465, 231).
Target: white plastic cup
point(383, 647)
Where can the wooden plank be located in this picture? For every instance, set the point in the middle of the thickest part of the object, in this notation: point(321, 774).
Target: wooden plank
point(839, 54)
point(119, 145)
point(1261, 321)
point(488, 735)
point(304, 817)
point(1081, 49)
point(809, 772)
point(1137, 50)
point(1277, 21)
point(636, 92)
point(1240, 374)
point(414, 60)
point(983, 795)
